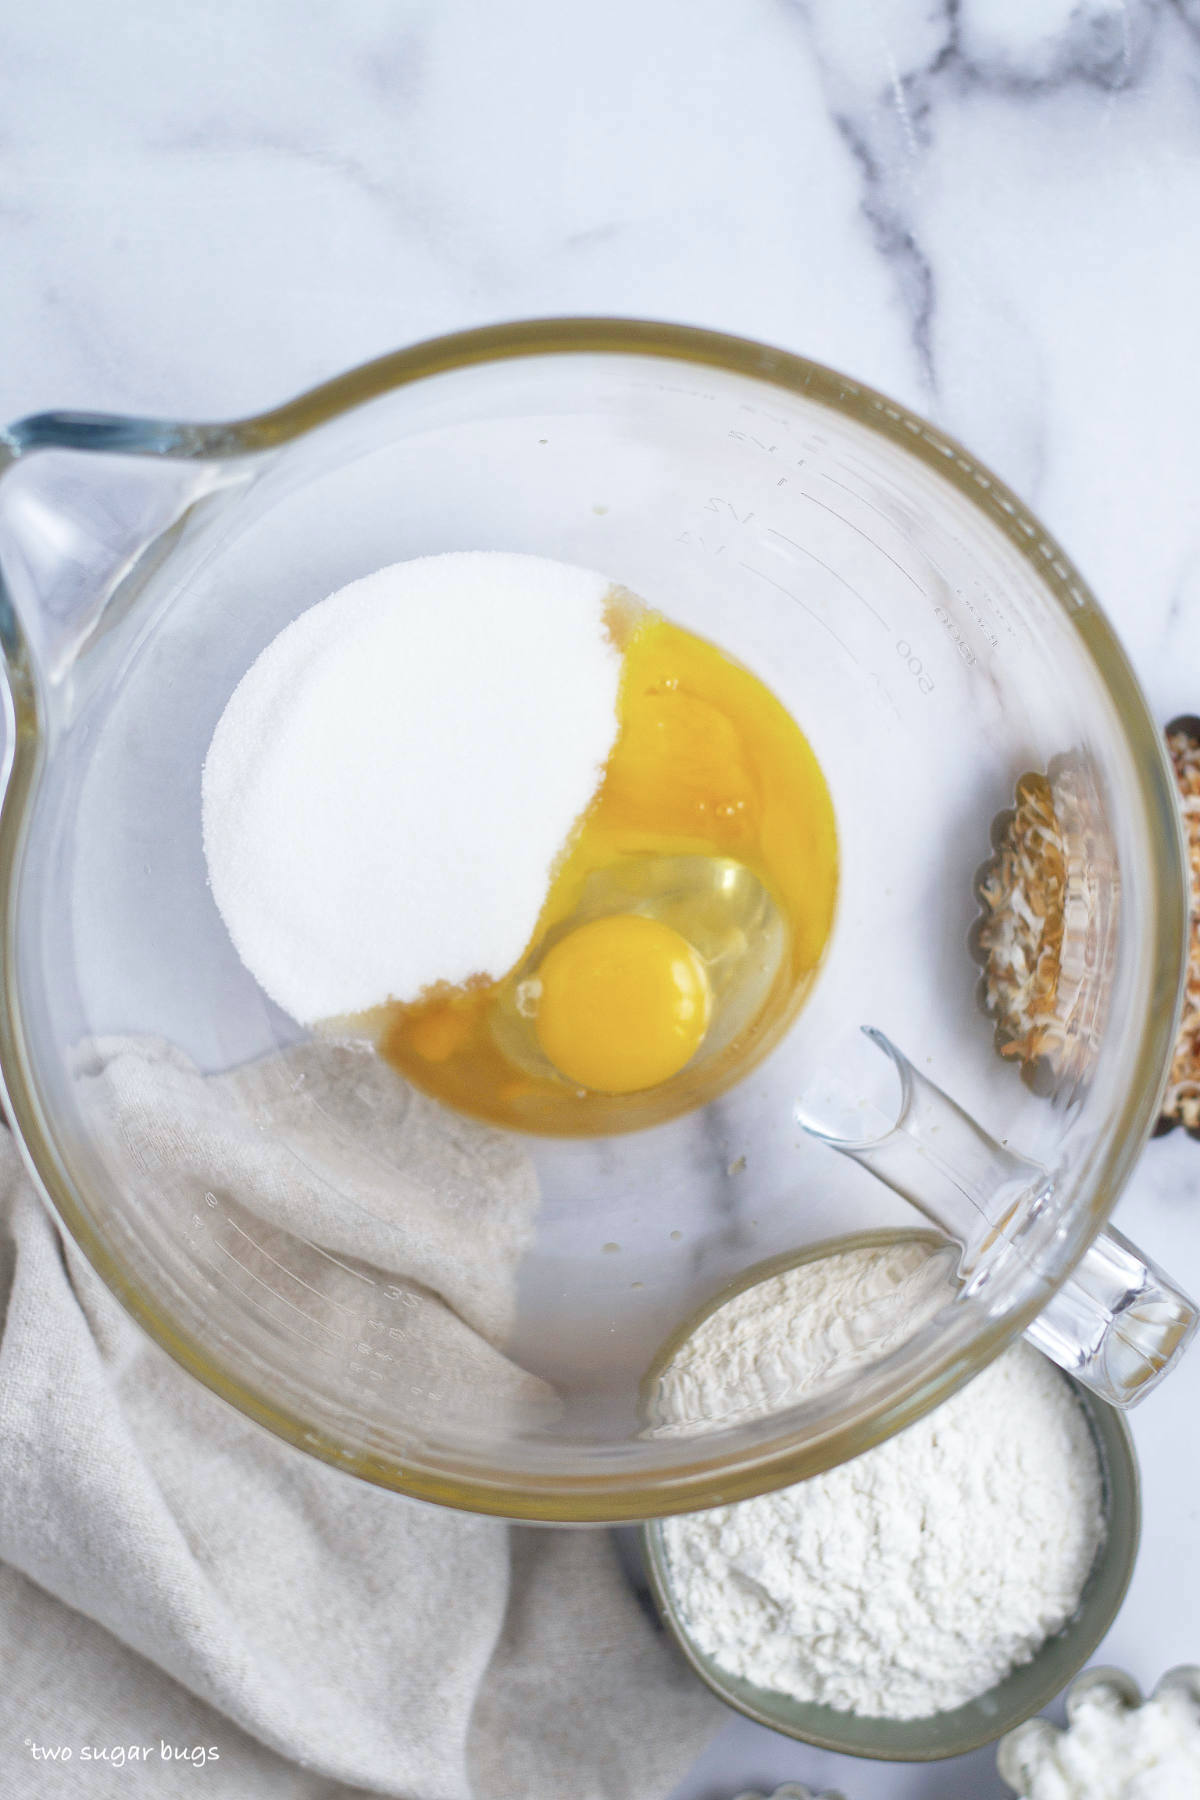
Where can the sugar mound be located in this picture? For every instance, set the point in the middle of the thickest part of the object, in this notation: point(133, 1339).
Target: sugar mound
point(394, 777)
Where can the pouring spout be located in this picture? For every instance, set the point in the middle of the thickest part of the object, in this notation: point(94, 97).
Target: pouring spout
point(88, 506)
point(1118, 1324)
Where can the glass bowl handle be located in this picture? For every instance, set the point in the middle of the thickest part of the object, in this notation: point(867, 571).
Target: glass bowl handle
point(86, 499)
point(1118, 1324)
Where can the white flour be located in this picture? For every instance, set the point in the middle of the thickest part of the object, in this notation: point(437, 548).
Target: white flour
point(910, 1580)
point(1112, 1751)
point(390, 784)
point(777, 1342)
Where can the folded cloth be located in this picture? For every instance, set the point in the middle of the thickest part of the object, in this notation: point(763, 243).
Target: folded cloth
point(316, 1159)
point(180, 1589)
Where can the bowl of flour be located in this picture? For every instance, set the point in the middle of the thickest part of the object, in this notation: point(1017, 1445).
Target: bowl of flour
point(928, 1596)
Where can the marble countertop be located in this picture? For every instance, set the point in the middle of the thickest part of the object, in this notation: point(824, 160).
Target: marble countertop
point(988, 208)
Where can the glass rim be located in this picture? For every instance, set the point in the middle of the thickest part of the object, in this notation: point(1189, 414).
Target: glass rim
point(609, 1495)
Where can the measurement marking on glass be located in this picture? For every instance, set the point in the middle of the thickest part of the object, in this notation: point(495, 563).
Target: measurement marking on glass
point(865, 536)
point(274, 1292)
point(283, 1324)
point(358, 1275)
point(804, 551)
point(951, 588)
point(284, 1268)
point(804, 607)
point(880, 514)
point(861, 498)
point(915, 666)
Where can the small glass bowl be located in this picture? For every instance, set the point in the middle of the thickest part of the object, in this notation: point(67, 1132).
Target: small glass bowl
point(1002, 1708)
point(1012, 1755)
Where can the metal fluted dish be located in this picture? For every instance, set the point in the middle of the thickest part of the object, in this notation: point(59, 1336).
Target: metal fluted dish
point(1015, 1754)
point(1042, 922)
point(1181, 1102)
point(1002, 1708)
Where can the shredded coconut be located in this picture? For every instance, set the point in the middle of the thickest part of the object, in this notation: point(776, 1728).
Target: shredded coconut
point(1112, 1750)
point(1181, 1103)
point(914, 1578)
point(393, 779)
point(1040, 935)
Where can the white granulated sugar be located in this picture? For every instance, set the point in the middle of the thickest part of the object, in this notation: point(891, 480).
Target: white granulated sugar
point(914, 1578)
point(1112, 1751)
point(393, 779)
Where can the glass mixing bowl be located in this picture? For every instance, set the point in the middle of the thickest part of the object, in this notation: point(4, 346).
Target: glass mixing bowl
point(467, 1316)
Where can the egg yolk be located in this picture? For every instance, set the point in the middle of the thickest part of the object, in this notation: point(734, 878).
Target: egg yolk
point(623, 1022)
point(624, 1003)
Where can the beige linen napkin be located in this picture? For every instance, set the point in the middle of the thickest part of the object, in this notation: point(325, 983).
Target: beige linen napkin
point(190, 1607)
